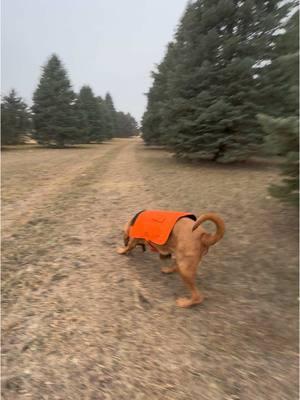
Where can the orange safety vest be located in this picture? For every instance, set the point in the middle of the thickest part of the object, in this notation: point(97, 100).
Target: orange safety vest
point(155, 226)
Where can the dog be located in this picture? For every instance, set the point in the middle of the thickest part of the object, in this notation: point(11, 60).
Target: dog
point(177, 235)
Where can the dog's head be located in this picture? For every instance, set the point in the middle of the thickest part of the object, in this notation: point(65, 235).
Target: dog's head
point(126, 236)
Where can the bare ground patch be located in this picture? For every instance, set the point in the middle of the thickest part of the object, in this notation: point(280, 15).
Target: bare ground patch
point(81, 322)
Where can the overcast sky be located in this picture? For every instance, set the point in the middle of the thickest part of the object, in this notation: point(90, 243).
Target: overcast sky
point(111, 45)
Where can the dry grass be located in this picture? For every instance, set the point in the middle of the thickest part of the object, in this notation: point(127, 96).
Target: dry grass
point(81, 322)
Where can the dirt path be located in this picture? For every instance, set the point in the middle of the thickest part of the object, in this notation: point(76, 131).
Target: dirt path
point(43, 171)
point(81, 322)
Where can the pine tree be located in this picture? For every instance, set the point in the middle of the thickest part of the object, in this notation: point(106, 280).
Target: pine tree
point(284, 135)
point(126, 125)
point(93, 115)
point(154, 119)
point(280, 82)
point(107, 121)
point(15, 119)
point(209, 107)
point(53, 107)
point(111, 114)
point(81, 122)
point(281, 125)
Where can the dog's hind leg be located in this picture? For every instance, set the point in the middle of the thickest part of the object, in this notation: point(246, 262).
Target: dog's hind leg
point(187, 272)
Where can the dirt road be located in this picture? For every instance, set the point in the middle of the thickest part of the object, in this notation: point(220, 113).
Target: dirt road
point(81, 322)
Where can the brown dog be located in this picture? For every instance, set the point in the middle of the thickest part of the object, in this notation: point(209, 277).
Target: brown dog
point(188, 242)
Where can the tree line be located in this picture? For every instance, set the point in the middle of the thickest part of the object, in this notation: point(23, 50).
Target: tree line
point(59, 116)
point(227, 87)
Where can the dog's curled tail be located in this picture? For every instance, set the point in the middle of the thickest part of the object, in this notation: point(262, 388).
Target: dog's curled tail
point(207, 238)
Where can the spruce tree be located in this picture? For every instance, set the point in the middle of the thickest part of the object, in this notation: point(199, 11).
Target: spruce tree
point(81, 123)
point(15, 119)
point(281, 125)
point(107, 120)
point(111, 114)
point(283, 133)
point(154, 119)
point(93, 115)
point(126, 125)
point(53, 107)
point(280, 81)
point(209, 107)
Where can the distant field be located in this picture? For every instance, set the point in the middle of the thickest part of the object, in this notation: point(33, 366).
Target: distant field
point(81, 322)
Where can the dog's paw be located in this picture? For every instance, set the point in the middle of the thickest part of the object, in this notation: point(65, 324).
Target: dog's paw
point(121, 250)
point(168, 270)
point(184, 302)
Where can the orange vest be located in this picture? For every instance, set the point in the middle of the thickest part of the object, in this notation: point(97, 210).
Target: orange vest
point(155, 226)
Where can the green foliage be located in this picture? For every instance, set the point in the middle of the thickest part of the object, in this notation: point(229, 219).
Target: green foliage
point(92, 116)
point(110, 115)
point(60, 116)
point(106, 119)
point(283, 137)
point(155, 120)
point(280, 81)
point(126, 125)
point(15, 119)
point(281, 127)
point(53, 107)
point(81, 122)
point(206, 92)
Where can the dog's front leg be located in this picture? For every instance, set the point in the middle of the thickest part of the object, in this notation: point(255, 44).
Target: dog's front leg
point(130, 246)
point(169, 270)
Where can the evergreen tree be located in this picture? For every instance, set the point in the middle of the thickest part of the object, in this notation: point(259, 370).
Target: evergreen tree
point(281, 126)
point(107, 121)
point(81, 122)
point(15, 119)
point(208, 100)
point(93, 115)
point(154, 119)
point(126, 125)
point(284, 135)
point(111, 114)
point(53, 107)
point(280, 82)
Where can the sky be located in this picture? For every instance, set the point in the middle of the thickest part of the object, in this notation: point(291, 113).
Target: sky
point(111, 45)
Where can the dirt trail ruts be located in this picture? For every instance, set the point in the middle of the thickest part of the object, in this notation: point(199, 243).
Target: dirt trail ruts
point(82, 322)
point(51, 181)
